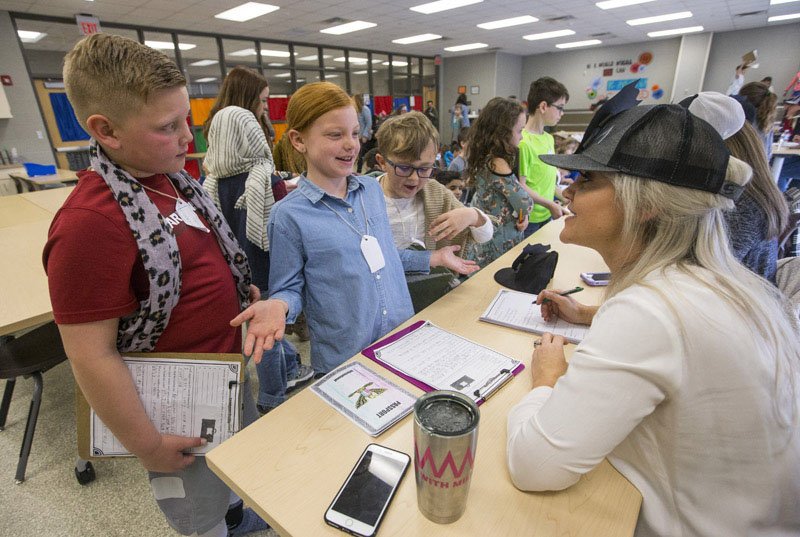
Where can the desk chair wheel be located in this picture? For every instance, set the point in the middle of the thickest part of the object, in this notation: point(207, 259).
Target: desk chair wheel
point(84, 472)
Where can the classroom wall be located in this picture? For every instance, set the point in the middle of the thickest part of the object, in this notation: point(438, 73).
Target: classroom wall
point(577, 69)
point(690, 70)
point(508, 69)
point(777, 45)
point(21, 130)
point(478, 70)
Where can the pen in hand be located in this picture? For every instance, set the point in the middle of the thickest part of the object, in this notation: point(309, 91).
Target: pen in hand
point(565, 293)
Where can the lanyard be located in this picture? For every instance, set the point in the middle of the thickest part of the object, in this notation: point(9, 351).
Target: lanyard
point(351, 226)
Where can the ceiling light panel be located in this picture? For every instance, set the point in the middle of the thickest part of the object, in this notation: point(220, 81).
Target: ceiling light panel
point(469, 46)
point(203, 63)
point(27, 36)
point(246, 12)
point(613, 4)
point(505, 23)
point(660, 18)
point(168, 45)
point(576, 44)
point(348, 27)
point(778, 18)
point(442, 5)
point(548, 35)
point(676, 31)
point(416, 39)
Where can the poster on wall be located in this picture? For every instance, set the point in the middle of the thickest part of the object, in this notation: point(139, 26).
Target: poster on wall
point(610, 76)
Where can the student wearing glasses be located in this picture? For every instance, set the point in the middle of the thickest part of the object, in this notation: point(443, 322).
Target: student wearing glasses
point(423, 212)
point(547, 98)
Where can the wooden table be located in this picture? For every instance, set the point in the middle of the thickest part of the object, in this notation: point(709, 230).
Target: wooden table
point(23, 284)
point(40, 181)
point(290, 463)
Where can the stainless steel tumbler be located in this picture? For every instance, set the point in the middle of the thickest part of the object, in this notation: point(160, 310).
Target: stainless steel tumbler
point(445, 439)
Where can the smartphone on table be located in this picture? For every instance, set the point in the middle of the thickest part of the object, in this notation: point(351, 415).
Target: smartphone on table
point(596, 278)
point(360, 504)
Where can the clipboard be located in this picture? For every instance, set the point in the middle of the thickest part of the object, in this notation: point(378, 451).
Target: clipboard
point(84, 414)
point(478, 393)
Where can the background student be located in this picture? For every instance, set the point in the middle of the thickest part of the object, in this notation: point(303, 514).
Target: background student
point(422, 211)
point(364, 127)
point(687, 379)
point(546, 100)
point(332, 245)
point(163, 272)
point(493, 144)
point(765, 103)
point(240, 167)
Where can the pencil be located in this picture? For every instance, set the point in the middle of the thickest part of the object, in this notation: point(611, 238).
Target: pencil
point(565, 293)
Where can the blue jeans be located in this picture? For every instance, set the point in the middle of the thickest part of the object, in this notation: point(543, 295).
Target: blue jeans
point(533, 227)
point(277, 365)
point(790, 171)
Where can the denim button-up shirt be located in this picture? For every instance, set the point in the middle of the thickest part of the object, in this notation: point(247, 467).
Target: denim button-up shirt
point(316, 261)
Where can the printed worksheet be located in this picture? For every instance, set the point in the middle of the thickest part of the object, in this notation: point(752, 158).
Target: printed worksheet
point(519, 310)
point(182, 397)
point(446, 361)
point(364, 397)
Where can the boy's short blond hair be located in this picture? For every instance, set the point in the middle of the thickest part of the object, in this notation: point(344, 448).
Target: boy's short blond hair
point(113, 76)
point(406, 136)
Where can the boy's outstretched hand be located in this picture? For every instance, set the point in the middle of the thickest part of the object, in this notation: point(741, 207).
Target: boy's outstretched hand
point(448, 225)
point(266, 324)
point(446, 257)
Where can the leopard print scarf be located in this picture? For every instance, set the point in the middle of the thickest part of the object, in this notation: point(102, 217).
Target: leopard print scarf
point(158, 248)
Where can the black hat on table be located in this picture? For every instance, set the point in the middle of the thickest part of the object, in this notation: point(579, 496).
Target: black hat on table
point(663, 142)
point(531, 271)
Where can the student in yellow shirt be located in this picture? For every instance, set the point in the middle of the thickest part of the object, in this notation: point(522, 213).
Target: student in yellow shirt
point(546, 100)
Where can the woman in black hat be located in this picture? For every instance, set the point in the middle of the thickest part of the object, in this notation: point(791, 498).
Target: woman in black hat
point(688, 377)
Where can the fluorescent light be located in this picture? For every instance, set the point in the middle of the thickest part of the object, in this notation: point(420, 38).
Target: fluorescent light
point(612, 4)
point(275, 64)
point(353, 59)
point(348, 27)
point(264, 52)
point(27, 36)
point(576, 44)
point(331, 76)
point(548, 35)
point(416, 39)
point(364, 72)
point(505, 23)
point(660, 18)
point(168, 45)
point(397, 63)
point(247, 11)
point(203, 63)
point(206, 79)
point(442, 5)
point(283, 75)
point(312, 58)
point(776, 2)
point(676, 31)
point(788, 17)
point(469, 46)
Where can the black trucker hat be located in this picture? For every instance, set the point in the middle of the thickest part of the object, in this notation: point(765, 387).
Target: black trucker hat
point(663, 142)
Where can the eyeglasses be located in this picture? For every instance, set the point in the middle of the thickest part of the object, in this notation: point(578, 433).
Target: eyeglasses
point(405, 170)
point(560, 107)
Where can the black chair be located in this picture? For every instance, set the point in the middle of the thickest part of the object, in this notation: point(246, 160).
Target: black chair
point(28, 355)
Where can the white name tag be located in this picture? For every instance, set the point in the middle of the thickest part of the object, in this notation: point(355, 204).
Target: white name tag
point(371, 250)
point(187, 213)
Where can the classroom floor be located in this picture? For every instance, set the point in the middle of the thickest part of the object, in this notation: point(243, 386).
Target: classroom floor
point(51, 502)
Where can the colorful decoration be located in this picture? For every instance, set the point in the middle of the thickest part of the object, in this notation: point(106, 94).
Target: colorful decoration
point(645, 58)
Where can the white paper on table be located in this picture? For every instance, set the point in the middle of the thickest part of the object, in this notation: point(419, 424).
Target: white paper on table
point(364, 397)
point(519, 310)
point(446, 361)
point(181, 397)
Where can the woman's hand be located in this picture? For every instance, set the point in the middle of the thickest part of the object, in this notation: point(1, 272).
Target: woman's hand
point(446, 257)
point(266, 324)
point(564, 307)
point(448, 225)
point(548, 362)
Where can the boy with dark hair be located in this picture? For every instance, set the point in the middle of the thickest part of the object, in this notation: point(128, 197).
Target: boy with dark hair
point(546, 100)
point(136, 255)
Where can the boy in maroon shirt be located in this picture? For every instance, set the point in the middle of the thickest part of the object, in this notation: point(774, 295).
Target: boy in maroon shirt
point(140, 260)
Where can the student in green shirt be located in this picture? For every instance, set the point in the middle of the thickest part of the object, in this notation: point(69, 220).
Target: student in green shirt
point(546, 100)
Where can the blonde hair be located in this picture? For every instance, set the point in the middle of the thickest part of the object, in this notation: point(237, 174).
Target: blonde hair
point(406, 136)
point(114, 76)
point(686, 230)
point(312, 101)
